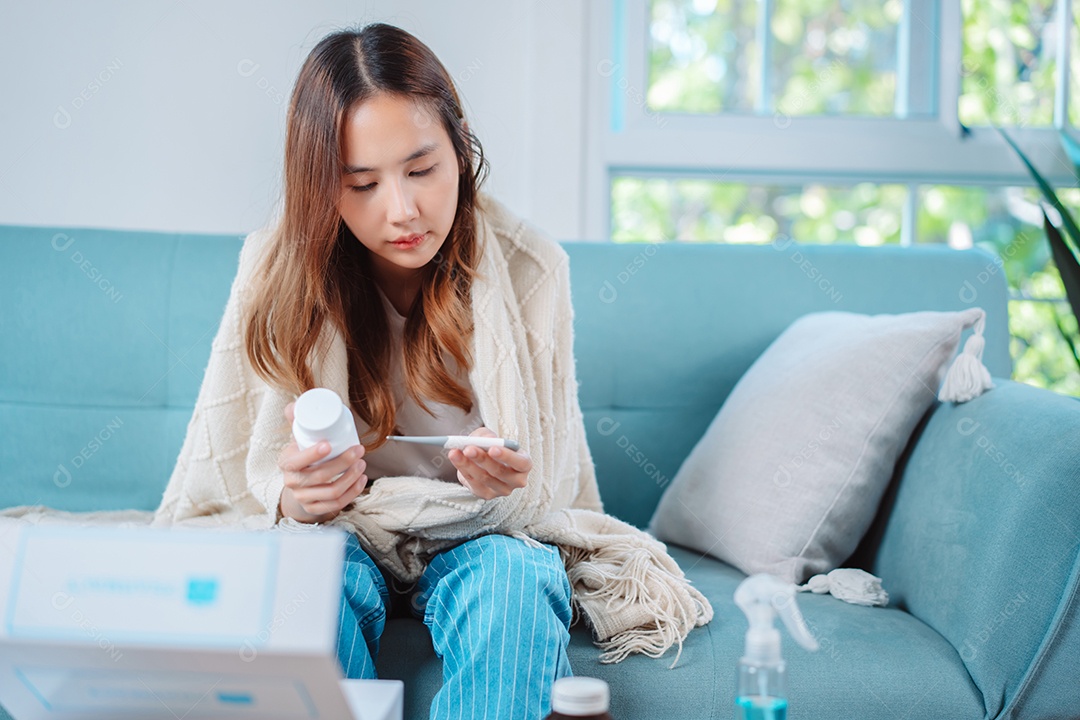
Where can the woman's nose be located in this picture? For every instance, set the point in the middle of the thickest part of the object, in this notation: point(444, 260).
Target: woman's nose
point(402, 205)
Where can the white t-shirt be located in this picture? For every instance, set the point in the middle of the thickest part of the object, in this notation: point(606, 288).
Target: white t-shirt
point(401, 458)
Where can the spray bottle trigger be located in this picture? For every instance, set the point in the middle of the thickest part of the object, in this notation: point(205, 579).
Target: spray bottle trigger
point(788, 610)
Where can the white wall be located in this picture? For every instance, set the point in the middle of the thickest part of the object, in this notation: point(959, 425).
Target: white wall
point(170, 114)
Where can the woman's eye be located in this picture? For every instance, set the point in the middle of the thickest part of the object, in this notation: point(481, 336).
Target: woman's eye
point(415, 173)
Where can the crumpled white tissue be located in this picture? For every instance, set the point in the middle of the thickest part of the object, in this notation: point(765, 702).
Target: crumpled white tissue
point(851, 585)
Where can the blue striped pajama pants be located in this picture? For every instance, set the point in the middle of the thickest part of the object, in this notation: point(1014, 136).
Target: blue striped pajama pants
point(499, 615)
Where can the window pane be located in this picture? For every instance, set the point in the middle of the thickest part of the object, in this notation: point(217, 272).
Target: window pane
point(703, 56)
point(655, 210)
point(1004, 221)
point(827, 57)
point(1008, 62)
point(1007, 222)
point(1041, 357)
point(835, 57)
point(999, 219)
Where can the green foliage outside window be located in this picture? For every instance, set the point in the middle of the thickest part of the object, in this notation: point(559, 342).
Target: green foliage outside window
point(1008, 67)
point(828, 56)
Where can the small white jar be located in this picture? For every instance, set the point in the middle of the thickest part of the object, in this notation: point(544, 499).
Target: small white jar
point(319, 414)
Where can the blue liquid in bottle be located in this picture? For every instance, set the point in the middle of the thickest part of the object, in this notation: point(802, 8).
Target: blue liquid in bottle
point(761, 707)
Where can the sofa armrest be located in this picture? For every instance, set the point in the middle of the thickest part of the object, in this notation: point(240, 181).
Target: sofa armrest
point(981, 543)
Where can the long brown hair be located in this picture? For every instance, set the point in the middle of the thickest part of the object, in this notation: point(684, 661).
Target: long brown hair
point(316, 271)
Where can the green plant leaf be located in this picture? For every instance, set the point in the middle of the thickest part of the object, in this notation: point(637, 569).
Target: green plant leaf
point(1065, 334)
point(1067, 220)
point(1070, 276)
point(1064, 255)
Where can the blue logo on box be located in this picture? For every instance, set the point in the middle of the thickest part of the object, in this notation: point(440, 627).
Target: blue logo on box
point(202, 591)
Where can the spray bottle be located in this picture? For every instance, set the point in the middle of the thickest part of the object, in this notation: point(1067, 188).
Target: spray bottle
point(761, 690)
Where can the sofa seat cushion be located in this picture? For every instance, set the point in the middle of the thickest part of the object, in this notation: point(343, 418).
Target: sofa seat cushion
point(873, 662)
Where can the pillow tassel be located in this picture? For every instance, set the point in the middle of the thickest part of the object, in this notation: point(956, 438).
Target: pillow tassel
point(968, 377)
point(851, 585)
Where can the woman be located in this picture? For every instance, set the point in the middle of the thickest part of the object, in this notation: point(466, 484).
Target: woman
point(391, 279)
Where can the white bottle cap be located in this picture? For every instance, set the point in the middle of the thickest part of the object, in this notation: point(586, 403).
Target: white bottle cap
point(763, 647)
point(580, 696)
point(320, 415)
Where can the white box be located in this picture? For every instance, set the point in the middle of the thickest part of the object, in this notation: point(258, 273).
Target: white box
point(166, 623)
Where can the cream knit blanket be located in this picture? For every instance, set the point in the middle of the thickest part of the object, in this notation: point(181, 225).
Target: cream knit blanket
point(633, 594)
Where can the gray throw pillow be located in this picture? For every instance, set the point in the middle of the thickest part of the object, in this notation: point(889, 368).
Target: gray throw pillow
point(789, 474)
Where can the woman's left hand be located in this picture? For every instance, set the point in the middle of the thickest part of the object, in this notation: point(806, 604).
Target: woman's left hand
point(490, 472)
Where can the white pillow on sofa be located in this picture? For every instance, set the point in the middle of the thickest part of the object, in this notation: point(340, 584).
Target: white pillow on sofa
point(789, 474)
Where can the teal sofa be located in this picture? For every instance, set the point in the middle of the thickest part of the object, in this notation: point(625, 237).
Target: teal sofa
point(106, 335)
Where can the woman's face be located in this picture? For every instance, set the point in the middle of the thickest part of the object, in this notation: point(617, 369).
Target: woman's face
point(400, 180)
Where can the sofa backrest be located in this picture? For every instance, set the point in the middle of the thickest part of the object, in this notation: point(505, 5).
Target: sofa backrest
point(107, 333)
point(663, 333)
point(106, 337)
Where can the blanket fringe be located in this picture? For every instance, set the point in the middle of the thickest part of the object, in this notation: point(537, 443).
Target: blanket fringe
point(624, 577)
point(527, 539)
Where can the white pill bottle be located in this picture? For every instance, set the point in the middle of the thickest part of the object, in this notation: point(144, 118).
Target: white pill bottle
point(319, 414)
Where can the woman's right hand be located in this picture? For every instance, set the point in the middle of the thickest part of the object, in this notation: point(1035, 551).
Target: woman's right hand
point(311, 494)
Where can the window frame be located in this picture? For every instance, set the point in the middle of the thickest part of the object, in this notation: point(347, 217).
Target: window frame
point(930, 146)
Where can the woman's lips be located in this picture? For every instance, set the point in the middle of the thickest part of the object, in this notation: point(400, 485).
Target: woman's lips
point(412, 242)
